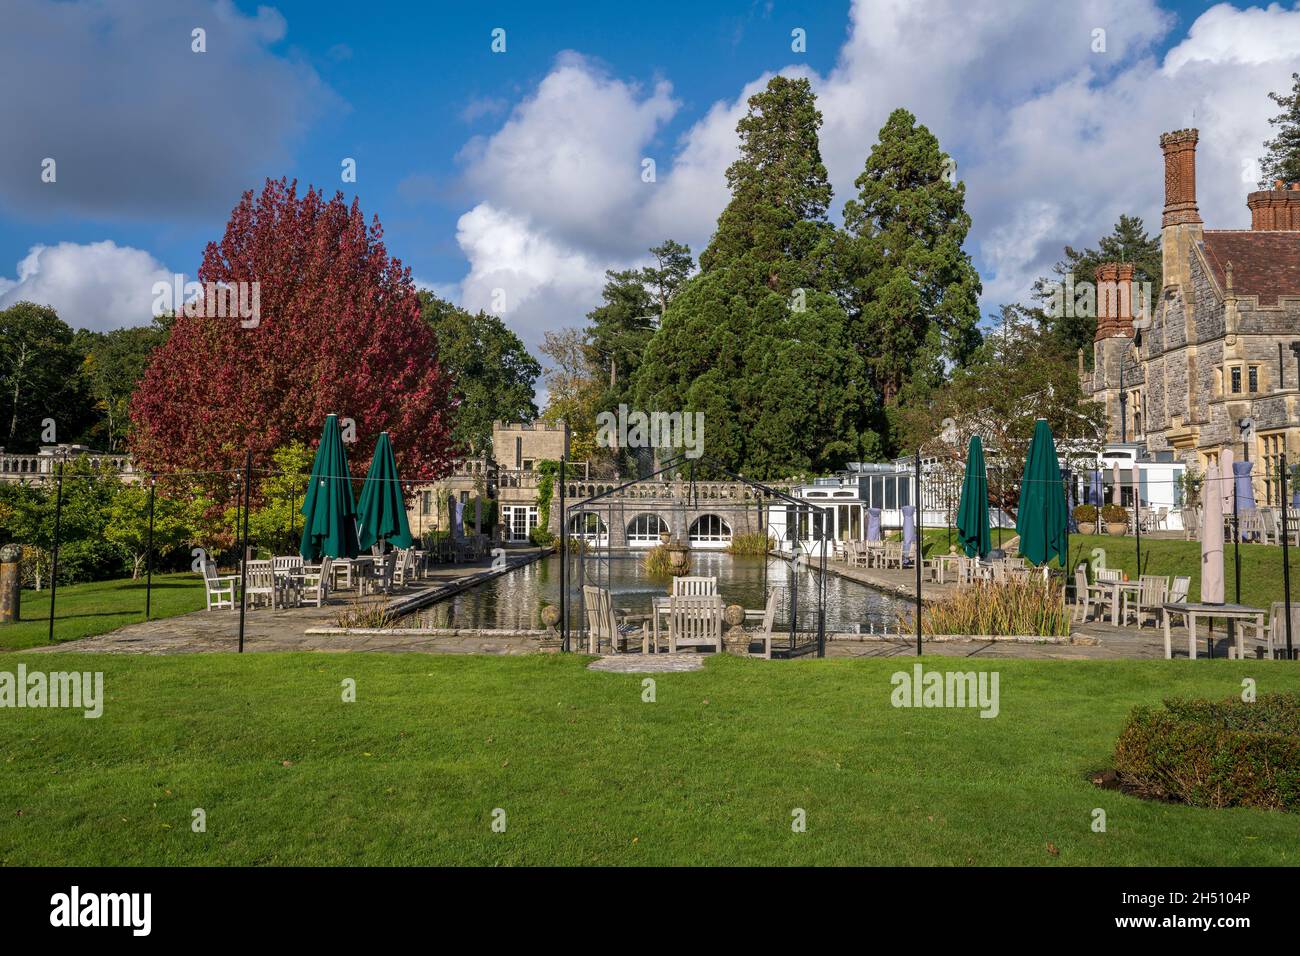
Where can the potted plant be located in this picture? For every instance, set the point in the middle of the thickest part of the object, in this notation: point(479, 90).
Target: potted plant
point(1086, 516)
point(1116, 519)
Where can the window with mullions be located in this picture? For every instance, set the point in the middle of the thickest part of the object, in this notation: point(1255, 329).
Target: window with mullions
point(645, 529)
point(710, 528)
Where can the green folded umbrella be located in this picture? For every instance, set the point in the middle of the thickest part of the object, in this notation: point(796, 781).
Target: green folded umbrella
point(973, 513)
point(381, 511)
point(1041, 518)
point(329, 526)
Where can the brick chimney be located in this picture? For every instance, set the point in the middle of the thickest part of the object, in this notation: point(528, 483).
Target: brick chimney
point(1181, 225)
point(1114, 300)
point(1276, 208)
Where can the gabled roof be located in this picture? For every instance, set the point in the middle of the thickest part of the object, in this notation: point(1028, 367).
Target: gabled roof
point(1264, 263)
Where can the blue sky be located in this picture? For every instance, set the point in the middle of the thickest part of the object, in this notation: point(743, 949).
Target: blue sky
point(522, 170)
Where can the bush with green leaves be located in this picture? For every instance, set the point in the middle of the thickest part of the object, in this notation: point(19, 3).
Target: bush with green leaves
point(1229, 753)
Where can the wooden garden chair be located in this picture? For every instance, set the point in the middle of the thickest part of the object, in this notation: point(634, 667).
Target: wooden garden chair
point(694, 621)
point(220, 590)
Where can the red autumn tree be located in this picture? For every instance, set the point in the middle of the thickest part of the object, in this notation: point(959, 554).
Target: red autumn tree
point(338, 330)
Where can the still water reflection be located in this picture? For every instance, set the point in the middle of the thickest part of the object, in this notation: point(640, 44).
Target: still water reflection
point(514, 600)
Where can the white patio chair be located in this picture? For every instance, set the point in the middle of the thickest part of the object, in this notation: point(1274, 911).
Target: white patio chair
point(260, 585)
point(695, 586)
point(1149, 599)
point(694, 621)
point(769, 618)
point(1087, 596)
point(1274, 634)
point(220, 591)
point(603, 625)
point(316, 584)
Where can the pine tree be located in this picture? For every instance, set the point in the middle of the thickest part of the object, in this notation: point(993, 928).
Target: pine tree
point(664, 279)
point(1282, 157)
point(758, 341)
point(913, 291)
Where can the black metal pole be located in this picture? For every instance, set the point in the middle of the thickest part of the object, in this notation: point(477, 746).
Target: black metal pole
point(564, 564)
point(54, 562)
point(148, 581)
point(243, 547)
point(916, 556)
point(1286, 562)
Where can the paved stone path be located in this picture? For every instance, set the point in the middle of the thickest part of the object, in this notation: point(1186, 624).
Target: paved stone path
point(287, 629)
point(306, 629)
point(648, 664)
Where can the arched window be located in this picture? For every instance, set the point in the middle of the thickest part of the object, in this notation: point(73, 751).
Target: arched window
point(588, 527)
point(710, 529)
point(645, 529)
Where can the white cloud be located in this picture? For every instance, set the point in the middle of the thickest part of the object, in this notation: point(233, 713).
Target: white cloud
point(139, 124)
point(1053, 140)
point(531, 278)
point(99, 285)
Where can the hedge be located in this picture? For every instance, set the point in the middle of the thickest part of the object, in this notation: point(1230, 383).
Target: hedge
point(1215, 753)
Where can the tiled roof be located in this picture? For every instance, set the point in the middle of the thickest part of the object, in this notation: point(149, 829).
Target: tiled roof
point(1264, 264)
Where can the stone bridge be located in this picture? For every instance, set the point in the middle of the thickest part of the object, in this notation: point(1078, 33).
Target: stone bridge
point(707, 513)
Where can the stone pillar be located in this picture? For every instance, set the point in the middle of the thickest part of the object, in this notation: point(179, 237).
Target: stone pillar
point(735, 640)
point(10, 582)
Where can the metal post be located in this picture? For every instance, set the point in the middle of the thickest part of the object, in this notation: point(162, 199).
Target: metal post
point(54, 563)
point(564, 564)
point(1236, 537)
point(148, 583)
point(1137, 515)
point(916, 557)
point(243, 547)
point(1286, 562)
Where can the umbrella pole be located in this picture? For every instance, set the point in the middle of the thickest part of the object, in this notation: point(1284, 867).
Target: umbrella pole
point(916, 555)
point(1286, 561)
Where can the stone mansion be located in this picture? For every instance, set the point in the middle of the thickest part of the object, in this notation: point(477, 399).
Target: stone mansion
point(1215, 363)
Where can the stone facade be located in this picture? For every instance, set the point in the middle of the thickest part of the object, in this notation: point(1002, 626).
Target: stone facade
point(1218, 363)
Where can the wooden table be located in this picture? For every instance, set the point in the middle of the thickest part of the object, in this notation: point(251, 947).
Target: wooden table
point(941, 563)
point(1116, 592)
point(347, 565)
point(1239, 612)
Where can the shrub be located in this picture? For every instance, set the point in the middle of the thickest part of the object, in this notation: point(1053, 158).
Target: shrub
point(1114, 514)
point(1026, 607)
point(751, 543)
point(1086, 514)
point(541, 538)
point(656, 562)
point(364, 612)
point(1215, 754)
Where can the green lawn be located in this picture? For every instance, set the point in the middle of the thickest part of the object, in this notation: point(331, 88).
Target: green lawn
point(589, 774)
point(1261, 565)
point(83, 610)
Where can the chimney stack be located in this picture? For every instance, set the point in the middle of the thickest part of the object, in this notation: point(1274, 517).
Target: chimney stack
point(1181, 226)
point(1276, 208)
point(1114, 300)
point(1179, 148)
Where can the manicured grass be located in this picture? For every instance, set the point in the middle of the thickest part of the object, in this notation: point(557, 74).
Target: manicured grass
point(588, 773)
point(1261, 565)
point(83, 610)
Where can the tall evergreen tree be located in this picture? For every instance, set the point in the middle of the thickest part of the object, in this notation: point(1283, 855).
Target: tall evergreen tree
point(664, 279)
point(620, 328)
point(913, 291)
point(1282, 152)
point(758, 341)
